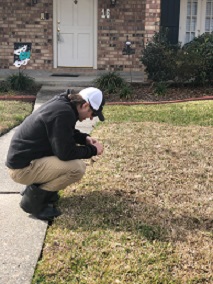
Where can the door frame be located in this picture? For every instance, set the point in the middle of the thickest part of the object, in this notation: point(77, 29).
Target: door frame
point(95, 33)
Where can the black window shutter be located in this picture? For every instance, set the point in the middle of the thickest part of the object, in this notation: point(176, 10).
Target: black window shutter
point(170, 13)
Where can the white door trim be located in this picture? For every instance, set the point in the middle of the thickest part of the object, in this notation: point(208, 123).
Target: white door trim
point(95, 27)
point(55, 53)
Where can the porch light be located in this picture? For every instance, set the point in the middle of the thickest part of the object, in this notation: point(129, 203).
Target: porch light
point(113, 2)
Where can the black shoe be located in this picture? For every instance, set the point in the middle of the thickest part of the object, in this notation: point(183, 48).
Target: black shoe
point(34, 201)
point(52, 196)
point(48, 213)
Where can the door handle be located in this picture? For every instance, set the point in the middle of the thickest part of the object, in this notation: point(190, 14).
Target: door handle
point(58, 33)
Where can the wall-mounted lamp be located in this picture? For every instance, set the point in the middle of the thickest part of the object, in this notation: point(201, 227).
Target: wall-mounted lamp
point(113, 2)
point(128, 50)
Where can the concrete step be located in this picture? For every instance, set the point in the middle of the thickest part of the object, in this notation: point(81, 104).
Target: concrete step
point(48, 92)
point(66, 81)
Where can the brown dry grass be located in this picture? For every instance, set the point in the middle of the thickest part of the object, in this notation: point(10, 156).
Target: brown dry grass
point(166, 172)
point(142, 213)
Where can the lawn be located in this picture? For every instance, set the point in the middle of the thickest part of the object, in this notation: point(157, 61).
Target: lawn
point(12, 113)
point(143, 212)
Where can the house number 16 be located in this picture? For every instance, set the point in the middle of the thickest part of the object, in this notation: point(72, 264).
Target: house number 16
point(105, 14)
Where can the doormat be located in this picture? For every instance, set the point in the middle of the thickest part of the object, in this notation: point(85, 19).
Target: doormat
point(64, 75)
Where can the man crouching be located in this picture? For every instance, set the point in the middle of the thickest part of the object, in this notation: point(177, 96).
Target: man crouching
point(46, 150)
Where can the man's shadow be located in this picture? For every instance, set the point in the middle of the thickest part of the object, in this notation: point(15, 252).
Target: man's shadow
point(121, 212)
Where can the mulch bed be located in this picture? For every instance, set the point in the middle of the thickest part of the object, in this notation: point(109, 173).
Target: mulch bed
point(142, 93)
point(146, 93)
point(25, 96)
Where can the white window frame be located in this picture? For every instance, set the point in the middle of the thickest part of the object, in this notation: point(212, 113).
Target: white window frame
point(201, 18)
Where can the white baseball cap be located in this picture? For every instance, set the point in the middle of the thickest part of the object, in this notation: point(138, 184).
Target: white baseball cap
point(96, 100)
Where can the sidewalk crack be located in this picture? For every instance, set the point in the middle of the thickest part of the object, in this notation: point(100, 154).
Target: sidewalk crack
point(9, 192)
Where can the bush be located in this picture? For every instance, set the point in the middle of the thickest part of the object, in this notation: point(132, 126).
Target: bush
point(20, 82)
point(113, 83)
point(191, 63)
point(200, 54)
point(187, 64)
point(125, 91)
point(4, 86)
point(160, 88)
point(109, 82)
point(159, 58)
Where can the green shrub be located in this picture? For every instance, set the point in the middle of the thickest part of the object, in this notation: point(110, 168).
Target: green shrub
point(160, 88)
point(191, 63)
point(109, 82)
point(187, 64)
point(200, 51)
point(20, 82)
point(4, 86)
point(113, 83)
point(159, 58)
point(125, 92)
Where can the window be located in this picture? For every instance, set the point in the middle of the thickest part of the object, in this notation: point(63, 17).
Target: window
point(196, 17)
point(191, 20)
point(209, 17)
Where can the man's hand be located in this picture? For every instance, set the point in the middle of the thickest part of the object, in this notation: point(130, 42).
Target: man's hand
point(90, 140)
point(94, 142)
point(99, 148)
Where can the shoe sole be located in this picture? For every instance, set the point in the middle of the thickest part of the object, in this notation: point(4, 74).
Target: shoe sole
point(25, 209)
point(44, 218)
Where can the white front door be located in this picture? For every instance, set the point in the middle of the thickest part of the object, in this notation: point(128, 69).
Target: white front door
point(196, 18)
point(75, 33)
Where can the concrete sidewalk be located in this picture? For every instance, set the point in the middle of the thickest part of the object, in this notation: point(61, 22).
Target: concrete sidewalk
point(21, 235)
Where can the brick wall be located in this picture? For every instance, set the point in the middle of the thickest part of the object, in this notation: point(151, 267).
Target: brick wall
point(152, 15)
point(20, 22)
point(127, 18)
point(136, 19)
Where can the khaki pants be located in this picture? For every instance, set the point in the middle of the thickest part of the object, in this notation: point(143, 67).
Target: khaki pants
point(50, 173)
